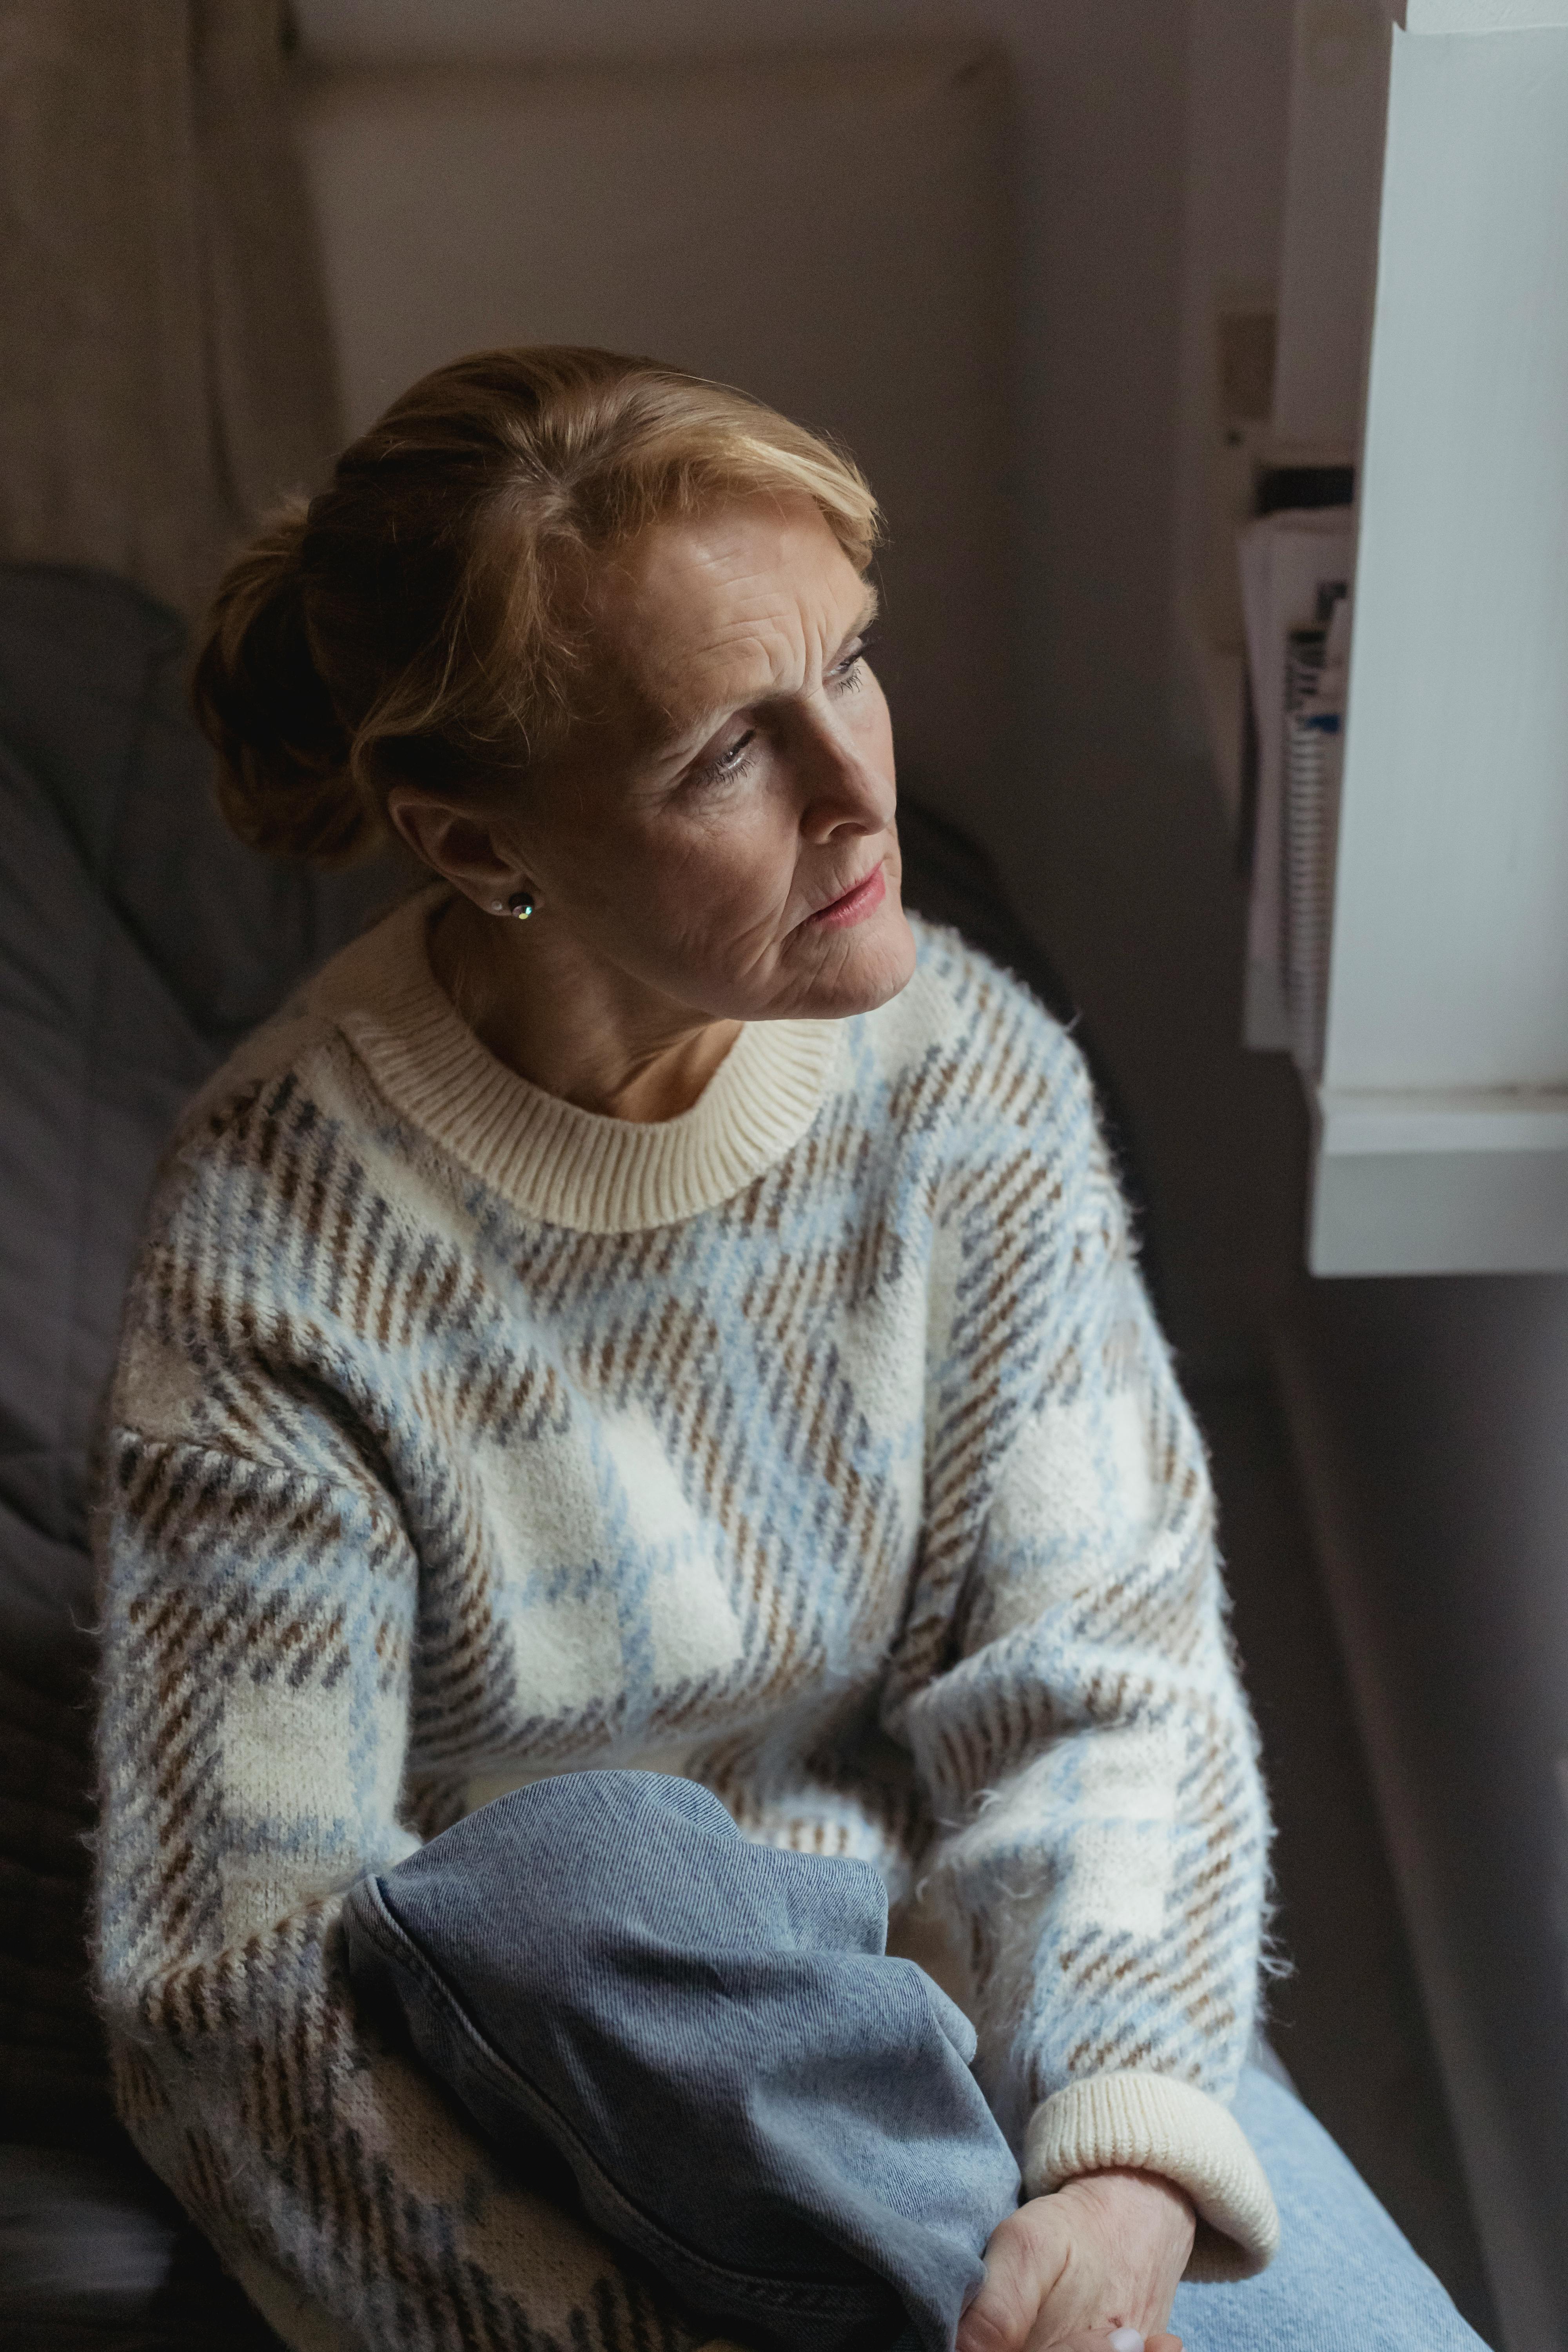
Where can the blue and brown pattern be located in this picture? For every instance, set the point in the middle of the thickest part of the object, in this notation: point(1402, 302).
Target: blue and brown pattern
point(820, 1446)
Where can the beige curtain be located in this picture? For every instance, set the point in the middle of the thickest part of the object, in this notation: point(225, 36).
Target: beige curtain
point(165, 368)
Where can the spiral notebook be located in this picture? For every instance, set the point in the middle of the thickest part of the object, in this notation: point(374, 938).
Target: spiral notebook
point(1295, 565)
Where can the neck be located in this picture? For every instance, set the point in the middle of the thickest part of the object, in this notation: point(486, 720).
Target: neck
point(570, 1025)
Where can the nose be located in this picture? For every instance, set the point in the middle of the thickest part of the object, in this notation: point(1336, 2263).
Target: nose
point(842, 792)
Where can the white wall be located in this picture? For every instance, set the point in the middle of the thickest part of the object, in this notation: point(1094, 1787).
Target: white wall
point(1238, 95)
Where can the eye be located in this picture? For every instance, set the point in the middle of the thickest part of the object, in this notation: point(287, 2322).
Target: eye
point(731, 761)
point(846, 671)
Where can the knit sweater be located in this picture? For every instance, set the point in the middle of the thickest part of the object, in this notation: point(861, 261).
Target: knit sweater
point(817, 1443)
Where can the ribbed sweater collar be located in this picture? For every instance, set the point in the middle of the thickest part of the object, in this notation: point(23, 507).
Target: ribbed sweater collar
point(549, 1159)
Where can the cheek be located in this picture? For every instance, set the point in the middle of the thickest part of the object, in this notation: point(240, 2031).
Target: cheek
point(724, 877)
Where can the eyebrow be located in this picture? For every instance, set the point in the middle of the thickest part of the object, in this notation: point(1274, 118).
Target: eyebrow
point(697, 731)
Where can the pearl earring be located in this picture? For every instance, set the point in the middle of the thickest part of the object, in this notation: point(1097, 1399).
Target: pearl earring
point(520, 906)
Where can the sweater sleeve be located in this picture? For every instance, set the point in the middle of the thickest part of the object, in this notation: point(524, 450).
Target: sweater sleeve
point(257, 1627)
point(1067, 1686)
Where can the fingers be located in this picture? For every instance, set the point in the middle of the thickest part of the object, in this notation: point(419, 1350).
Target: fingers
point(1023, 2264)
point(1123, 2339)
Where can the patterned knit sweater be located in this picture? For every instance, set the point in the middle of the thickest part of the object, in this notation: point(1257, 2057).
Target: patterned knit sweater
point(817, 1443)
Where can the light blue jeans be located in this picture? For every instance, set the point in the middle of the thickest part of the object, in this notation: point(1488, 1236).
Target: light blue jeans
point(701, 2042)
point(1344, 2280)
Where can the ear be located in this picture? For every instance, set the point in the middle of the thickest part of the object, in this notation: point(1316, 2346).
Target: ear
point(474, 853)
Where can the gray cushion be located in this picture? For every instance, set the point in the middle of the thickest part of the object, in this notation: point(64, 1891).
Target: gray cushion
point(95, 2256)
point(137, 941)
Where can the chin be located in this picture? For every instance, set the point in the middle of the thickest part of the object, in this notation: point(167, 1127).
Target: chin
point(873, 963)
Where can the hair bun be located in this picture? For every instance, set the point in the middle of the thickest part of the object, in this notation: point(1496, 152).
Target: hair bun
point(283, 777)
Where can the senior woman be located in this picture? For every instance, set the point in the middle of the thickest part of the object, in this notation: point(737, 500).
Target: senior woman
point(647, 1350)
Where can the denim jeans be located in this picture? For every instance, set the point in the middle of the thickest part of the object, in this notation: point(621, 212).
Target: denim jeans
point(700, 2042)
point(1344, 2280)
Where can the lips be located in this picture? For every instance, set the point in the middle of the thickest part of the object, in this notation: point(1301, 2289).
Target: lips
point(862, 899)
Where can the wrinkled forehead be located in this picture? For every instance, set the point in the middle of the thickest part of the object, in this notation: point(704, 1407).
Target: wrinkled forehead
point(707, 612)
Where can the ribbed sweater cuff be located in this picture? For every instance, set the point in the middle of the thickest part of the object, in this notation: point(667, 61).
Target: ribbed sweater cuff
point(1149, 2123)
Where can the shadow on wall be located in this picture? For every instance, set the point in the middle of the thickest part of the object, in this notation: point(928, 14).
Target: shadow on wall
point(1432, 1418)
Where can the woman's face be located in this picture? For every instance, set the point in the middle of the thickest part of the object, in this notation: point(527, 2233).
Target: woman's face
point(725, 836)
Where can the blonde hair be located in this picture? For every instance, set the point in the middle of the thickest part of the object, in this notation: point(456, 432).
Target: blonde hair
point(423, 620)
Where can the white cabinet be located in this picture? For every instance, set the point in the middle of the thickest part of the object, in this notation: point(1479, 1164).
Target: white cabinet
point(1443, 1101)
point(1441, 1104)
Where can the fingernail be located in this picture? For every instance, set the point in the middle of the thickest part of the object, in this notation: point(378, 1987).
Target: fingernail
point(1127, 2340)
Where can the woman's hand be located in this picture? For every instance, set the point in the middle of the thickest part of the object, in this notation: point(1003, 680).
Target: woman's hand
point(1102, 2252)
